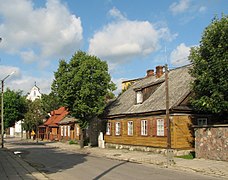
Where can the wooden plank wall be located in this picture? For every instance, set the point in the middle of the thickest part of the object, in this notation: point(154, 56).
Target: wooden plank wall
point(181, 134)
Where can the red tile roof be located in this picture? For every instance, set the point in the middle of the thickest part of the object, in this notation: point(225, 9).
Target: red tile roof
point(56, 117)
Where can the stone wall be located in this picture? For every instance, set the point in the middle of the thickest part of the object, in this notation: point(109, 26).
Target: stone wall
point(211, 142)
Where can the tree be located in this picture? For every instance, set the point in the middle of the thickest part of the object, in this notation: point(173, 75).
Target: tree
point(14, 107)
point(49, 102)
point(210, 67)
point(34, 116)
point(83, 85)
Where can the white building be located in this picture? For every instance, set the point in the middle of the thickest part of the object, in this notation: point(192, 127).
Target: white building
point(16, 131)
point(34, 93)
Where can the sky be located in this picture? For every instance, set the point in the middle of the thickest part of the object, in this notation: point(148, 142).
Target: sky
point(132, 36)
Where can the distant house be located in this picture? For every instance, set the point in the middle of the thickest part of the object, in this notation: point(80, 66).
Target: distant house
point(138, 116)
point(69, 129)
point(50, 129)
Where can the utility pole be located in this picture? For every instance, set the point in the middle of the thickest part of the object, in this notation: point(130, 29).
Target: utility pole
point(2, 120)
point(2, 108)
point(170, 160)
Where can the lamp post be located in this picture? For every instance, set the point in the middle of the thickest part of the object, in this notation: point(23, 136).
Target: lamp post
point(2, 108)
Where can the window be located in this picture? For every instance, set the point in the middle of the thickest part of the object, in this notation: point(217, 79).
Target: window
point(139, 97)
point(68, 131)
point(108, 129)
point(61, 130)
point(144, 127)
point(117, 128)
point(77, 131)
point(160, 127)
point(130, 128)
point(202, 121)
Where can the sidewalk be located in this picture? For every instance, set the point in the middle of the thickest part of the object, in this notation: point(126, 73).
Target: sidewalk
point(12, 167)
point(206, 167)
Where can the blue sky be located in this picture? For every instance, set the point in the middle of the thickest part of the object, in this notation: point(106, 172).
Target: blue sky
point(131, 35)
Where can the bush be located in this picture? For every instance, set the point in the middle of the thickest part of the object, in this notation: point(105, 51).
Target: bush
point(73, 142)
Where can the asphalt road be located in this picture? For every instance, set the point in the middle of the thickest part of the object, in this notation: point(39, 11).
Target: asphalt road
point(57, 164)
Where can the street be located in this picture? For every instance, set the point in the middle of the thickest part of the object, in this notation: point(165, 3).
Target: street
point(61, 164)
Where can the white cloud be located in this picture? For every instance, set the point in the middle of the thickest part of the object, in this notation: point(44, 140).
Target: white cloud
point(50, 31)
point(118, 83)
point(8, 70)
point(179, 7)
point(28, 56)
point(114, 12)
point(20, 81)
point(25, 83)
point(123, 39)
point(179, 56)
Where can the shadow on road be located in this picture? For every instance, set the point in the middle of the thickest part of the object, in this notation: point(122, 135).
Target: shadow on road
point(46, 159)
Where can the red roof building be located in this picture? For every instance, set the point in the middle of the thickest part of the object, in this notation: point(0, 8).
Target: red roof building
point(50, 129)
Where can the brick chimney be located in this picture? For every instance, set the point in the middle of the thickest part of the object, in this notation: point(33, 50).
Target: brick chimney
point(159, 71)
point(149, 72)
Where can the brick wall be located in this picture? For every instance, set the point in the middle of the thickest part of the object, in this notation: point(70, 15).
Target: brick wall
point(211, 142)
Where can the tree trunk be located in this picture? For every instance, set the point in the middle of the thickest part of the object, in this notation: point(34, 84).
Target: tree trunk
point(81, 138)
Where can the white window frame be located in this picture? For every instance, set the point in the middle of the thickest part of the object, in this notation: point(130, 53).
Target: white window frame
point(201, 121)
point(117, 128)
point(61, 130)
point(68, 131)
point(160, 127)
point(77, 131)
point(144, 127)
point(108, 128)
point(130, 130)
point(139, 97)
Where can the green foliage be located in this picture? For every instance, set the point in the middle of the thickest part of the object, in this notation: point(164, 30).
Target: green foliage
point(60, 83)
point(49, 102)
point(34, 116)
point(188, 156)
point(210, 67)
point(73, 142)
point(83, 85)
point(14, 107)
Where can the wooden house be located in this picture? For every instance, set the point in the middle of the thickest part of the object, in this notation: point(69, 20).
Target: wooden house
point(69, 129)
point(138, 116)
point(50, 129)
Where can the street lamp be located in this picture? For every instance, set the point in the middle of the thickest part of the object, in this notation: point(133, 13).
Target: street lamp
point(2, 106)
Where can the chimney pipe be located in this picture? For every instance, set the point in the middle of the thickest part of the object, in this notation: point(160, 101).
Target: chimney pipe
point(159, 71)
point(149, 72)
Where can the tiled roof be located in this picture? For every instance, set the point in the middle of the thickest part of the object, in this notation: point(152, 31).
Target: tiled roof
point(179, 87)
point(56, 116)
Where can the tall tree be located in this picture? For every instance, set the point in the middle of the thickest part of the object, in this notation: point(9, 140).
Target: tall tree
point(60, 82)
point(50, 102)
point(34, 116)
point(14, 107)
point(83, 85)
point(210, 67)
